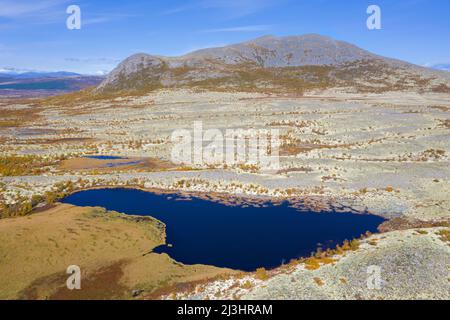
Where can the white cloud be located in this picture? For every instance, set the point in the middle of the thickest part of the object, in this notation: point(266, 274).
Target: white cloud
point(40, 12)
point(11, 70)
point(228, 8)
point(93, 60)
point(253, 28)
point(179, 9)
point(105, 17)
point(232, 9)
point(101, 73)
point(14, 9)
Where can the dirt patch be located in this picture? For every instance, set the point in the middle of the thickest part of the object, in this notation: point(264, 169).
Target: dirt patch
point(291, 170)
point(102, 284)
point(294, 148)
point(445, 123)
point(401, 223)
point(110, 165)
point(66, 140)
point(441, 108)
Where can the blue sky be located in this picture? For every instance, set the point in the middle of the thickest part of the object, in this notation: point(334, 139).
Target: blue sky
point(33, 33)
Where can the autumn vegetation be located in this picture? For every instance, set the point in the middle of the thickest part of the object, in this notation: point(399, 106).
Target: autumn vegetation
point(24, 205)
point(13, 165)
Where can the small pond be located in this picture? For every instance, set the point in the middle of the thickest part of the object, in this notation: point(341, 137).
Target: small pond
point(100, 157)
point(239, 237)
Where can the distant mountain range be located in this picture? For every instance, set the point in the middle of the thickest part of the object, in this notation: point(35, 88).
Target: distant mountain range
point(15, 83)
point(285, 64)
point(37, 74)
point(441, 66)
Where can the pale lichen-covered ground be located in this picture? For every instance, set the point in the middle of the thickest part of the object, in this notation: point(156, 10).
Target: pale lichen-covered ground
point(387, 154)
point(413, 264)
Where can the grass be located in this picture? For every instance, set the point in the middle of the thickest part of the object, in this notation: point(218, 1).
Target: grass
point(249, 168)
point(11, 117)
point(445, 235)
point(314, 263)
point(319, 281)
point(109, 247)
point(75, 98)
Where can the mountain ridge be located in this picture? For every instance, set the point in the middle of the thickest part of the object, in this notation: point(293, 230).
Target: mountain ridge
point(288, 63)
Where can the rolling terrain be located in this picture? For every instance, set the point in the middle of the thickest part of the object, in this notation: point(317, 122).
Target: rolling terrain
point(359, 133)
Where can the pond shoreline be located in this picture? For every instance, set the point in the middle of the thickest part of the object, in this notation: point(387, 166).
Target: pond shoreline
point(313, 203)
point(235, 233)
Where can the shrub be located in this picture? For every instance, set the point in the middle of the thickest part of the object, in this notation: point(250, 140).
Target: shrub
point(36, 199)
point(354, 244)
point(24, 165)
point(261, 274)
point(246, 285)
point(21, 208)
point(312, 263)
point(445, 235)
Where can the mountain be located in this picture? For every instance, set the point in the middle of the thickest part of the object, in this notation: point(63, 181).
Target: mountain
point(441, 66)
point(57, 74)
point(15, 74)
point(36, 84)
point(285, 64)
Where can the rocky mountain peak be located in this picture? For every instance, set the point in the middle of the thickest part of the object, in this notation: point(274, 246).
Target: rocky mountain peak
point(323, 61)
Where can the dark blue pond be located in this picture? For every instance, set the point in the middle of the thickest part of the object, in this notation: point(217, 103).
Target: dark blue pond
point(245, 238)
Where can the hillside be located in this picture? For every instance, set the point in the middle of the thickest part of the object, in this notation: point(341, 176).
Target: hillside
point(286, 64)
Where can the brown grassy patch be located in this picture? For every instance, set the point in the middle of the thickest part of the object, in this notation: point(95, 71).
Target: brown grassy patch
point(103, 283)
point(314, 263)
point(292, 147)
point(445, 235)
point(110, 248)
point(445, 123)
point(249, 168)
point(319, 281)
point(111, 165)
point(402, 223)
point(441, 108)
point(10, 117)
point(75, 98)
